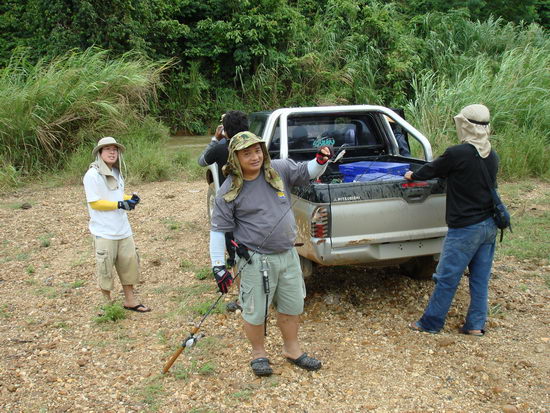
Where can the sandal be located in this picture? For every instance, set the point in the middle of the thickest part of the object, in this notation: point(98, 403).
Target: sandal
point(140, 308)
point(416, 327)
point(305, 362)
point(233, 306)
point(475, 333)
point(261, 367)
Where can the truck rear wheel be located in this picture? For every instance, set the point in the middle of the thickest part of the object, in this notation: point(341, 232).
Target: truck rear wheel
point(419, 268)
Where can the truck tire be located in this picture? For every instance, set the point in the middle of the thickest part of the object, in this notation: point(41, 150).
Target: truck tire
point(306, 266)
point(419, 268)
point(210, 196)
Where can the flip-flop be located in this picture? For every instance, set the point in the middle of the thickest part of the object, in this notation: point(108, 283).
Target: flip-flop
point(416, 327)
point(137, 308)
point(305, 362)
point(261, 367)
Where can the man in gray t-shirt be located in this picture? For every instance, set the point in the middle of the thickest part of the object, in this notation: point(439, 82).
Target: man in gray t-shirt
point(254, 203)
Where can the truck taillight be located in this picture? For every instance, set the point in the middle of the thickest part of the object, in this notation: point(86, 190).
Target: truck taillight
point(319, 223)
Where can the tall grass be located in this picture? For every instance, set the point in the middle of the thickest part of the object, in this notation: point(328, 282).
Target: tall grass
point(50, 110)
point(515, 89)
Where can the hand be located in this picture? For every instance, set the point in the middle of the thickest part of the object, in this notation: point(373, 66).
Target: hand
point(223, 278)
point(127, 205)
point(135, 198)
point(408, 175)
point(220, 133)
point(324, 154)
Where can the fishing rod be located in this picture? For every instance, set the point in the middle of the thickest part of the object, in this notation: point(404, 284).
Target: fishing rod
point(193, 337)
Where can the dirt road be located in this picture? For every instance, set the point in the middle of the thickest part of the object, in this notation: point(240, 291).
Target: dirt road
point(55, 358)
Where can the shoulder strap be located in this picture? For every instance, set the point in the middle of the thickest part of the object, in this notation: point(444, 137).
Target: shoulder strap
point(488, 179)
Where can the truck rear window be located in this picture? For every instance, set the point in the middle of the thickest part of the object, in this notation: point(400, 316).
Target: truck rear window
point(307, 133)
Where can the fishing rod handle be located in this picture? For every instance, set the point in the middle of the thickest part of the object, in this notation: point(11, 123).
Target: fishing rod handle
point(172, 360)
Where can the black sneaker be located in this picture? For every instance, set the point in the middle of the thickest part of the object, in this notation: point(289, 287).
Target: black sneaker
point(233, 306)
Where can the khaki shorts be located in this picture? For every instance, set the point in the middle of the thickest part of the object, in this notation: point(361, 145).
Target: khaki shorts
point(121, 254)
point(286, 284)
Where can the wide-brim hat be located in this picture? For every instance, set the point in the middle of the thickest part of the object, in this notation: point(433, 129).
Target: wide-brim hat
point(108, 140)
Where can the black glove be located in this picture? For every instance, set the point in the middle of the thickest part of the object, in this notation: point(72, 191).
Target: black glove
point(319, 156)
point(223, 278)
point(135, 198)
point(127, 205)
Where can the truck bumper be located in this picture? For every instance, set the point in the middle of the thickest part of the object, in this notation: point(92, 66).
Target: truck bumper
point(388, 253)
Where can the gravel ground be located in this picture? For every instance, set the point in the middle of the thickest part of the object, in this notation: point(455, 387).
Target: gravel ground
point(54, 356)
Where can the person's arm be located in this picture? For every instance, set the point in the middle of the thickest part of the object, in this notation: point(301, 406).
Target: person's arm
point(440, 167)
point(104, 205)
point(316, 167)
point(217, 258)
point(217, 248)
point(204, 158)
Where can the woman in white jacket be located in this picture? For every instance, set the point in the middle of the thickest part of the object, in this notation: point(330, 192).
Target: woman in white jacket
point(109, 225)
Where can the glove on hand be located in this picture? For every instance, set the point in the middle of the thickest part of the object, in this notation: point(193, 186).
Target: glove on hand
point(320, 155)
point(127, 205)
point(135, 198)
point(223, 278)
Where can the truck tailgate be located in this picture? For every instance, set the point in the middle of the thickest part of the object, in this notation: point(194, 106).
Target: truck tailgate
point(384, 212)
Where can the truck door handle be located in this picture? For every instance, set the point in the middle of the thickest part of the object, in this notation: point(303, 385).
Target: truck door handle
point(415, 195)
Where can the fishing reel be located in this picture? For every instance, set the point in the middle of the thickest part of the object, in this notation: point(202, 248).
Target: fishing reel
point(192, 340)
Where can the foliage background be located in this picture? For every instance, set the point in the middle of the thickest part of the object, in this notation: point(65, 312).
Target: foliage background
point(430, 56)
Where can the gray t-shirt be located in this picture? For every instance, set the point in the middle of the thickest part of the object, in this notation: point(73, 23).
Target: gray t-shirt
point(259, 207)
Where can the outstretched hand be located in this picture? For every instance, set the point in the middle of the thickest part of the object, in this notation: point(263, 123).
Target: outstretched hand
point(324, 154)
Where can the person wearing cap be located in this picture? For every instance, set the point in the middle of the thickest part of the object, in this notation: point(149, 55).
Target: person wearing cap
point(234, 121)
point(470, 241)
point(109, 225)
point(402, 143)
point(254, 203)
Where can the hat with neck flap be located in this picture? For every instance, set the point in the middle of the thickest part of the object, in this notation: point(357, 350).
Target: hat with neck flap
point(240, 141)
point(101, 166)
point(472, 126)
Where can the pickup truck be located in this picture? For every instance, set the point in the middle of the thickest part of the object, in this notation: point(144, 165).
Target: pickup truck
point(343, 220)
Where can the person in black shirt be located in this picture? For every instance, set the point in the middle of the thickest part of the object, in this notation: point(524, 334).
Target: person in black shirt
point(470, 241)
point(233, 122)
point(217, 151)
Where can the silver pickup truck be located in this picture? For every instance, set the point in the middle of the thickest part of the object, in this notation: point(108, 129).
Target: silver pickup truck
point(375, 219)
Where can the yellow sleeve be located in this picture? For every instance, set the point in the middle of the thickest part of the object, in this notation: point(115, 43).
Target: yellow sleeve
point(103, 205)
point(126, 197)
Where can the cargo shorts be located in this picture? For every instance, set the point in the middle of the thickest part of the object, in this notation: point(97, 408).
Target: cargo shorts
point(286, 284)
point(122, 255)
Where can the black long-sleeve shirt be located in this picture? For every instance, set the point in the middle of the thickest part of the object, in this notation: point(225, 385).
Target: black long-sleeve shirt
point(216, 151)
point(468, 194)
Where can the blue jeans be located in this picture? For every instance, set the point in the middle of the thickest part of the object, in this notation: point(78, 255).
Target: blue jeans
point(474, 247)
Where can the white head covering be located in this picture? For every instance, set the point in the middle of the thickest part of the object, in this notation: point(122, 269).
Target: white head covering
point(472, 126)
point(101, 166)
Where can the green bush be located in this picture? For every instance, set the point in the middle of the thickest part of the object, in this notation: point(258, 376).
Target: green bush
point(51, 109)
point(9, 177)
point(188, 163)
point(111, 313)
